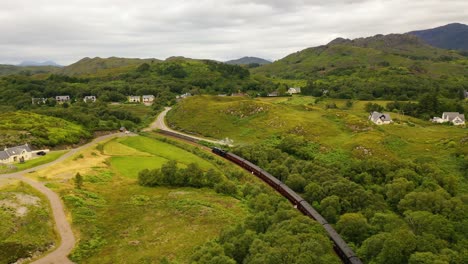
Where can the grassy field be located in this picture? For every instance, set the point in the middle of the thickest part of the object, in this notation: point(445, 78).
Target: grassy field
point(118, 221)
point(26, 226)
point(253, 120)
point(51, 156)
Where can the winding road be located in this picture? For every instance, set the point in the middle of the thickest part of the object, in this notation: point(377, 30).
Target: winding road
point(67, 239)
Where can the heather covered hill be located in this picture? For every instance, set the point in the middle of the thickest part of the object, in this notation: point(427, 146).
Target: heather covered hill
point(451, 36)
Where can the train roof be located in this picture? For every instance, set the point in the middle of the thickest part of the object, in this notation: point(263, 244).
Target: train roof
point(292, 193)
point(318, 217)
point(339, 242)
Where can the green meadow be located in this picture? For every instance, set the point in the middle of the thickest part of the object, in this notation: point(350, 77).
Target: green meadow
point(118, 221)
point(329, 122)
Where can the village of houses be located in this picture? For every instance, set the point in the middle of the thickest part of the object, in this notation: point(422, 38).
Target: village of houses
point(24, 152)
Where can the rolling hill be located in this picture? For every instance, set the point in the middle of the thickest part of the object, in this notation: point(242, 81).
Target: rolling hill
point(382, 66)
point(451, 36)
point(93, 66)
point(248, 60)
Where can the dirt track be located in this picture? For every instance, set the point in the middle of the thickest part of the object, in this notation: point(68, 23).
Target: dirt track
point(59, 255)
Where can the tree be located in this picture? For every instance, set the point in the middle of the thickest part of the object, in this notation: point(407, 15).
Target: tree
point(78, 180)
point(353, 227)
point(143, 67)
point(371, 107)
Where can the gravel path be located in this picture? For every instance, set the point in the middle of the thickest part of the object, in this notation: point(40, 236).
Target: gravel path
point(67, 239)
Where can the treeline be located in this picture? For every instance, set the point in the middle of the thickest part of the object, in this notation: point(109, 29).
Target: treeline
point(390, 211)
point(389, 84)
point(192, 176)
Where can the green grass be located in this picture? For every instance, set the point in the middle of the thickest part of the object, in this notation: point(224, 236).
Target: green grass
point(340, 128)
point(49, 157)
point(22, 235)
point(118, 221)
point(131, 166)
point(164, 150)
point(39, 130)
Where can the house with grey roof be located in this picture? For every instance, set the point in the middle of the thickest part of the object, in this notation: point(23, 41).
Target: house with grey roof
point(380, 118)
point(134, 99)
point(453, 117)
point(89, 99)
point(62, 99)
point(16, 154)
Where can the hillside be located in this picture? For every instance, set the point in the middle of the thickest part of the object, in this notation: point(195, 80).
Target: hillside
point(26, 70)
point(248, 60)
point(387, 189)
point(38, 130)
point(383, 66)
point(93, 66)
point(451, 36)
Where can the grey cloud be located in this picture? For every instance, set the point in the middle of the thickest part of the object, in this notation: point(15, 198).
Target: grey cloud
point(66, 31)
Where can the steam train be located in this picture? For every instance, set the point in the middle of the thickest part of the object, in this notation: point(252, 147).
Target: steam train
point(341, 248)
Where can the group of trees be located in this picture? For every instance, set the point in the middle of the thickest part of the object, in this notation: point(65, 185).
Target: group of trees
point(275, 232)
point(192, 176)
point(390, 211)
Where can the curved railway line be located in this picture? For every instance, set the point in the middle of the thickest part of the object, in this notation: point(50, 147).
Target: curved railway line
point(342, 249)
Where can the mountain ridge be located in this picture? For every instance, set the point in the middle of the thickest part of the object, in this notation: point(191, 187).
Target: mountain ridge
point(451, 36)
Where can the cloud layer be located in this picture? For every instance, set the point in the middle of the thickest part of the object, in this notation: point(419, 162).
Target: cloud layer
point(66, 31)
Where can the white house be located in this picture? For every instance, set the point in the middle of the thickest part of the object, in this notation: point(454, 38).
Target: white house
point(148, 99)
point(453, 117)
point(62, 99)
point(294, 90)
point(89, 99)
point(16, 154)
point(380, 118)
point(134, 99)
point(38, 101)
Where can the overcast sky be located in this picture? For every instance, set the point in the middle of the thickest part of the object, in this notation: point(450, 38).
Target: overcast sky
point(67, 30)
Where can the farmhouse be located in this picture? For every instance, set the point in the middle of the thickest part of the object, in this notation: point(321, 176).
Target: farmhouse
point(134, 99)
point(16, 154)
point(89, 99)
point(38, 101)
point(294, 90)
point(62, 99)
point(453, 117)
point(380, 118)
point(148, 99)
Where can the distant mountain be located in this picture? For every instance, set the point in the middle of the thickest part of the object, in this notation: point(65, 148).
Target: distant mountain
point(451, 36)
point(26, 70)
point(103, 66)
point(35, 63)
point(248, 60)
